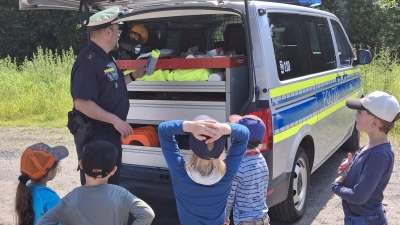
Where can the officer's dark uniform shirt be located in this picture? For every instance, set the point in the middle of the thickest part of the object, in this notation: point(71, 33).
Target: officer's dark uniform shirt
point(96, 77)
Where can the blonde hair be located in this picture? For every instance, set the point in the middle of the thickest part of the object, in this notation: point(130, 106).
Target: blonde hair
point(206, 166)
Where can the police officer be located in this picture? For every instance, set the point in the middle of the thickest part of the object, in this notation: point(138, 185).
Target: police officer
point(98, 87)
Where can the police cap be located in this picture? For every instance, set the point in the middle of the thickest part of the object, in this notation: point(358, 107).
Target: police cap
point(104, 18)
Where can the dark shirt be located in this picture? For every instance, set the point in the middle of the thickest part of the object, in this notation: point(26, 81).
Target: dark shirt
point(368, 176)
point(95, 76)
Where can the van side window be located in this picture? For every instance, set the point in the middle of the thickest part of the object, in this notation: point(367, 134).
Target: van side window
point(344, 50)
point(290, 47)
point(320, 43)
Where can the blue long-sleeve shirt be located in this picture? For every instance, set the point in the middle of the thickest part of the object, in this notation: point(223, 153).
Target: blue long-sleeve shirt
point(43, 200)
point(196, 203)
point(248, 196)
point(367, 178)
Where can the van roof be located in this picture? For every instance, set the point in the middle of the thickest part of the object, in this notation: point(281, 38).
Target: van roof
point(98, 5)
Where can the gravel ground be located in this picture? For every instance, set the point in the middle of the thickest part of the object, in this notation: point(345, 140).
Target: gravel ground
point(323, 206)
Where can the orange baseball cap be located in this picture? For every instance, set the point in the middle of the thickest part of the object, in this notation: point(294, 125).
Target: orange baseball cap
point(37, 159)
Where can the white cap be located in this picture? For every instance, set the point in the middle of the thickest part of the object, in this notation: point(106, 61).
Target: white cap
point(379, 103)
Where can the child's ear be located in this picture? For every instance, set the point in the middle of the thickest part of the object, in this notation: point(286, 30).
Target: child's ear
point(376, 122)
point(114, 170)
point(80, 164)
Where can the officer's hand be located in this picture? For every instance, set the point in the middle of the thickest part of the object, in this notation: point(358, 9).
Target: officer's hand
point(140, 72)
point(123, 128)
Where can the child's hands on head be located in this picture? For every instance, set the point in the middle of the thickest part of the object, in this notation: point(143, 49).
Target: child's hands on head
point(201, 128)
point(208, 130)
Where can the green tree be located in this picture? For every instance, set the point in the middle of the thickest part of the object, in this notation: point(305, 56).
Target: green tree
point(369, 23)
point(22, 32)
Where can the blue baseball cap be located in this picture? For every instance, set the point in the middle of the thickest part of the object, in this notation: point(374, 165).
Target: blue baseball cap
point(255, 125)
point(200, 147)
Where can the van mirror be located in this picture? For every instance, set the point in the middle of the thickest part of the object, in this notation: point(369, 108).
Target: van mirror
point(363, 57)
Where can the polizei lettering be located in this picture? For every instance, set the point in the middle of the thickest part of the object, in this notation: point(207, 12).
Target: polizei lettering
point(330, 96)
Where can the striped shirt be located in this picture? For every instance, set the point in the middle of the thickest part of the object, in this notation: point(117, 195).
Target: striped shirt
point(249, 190)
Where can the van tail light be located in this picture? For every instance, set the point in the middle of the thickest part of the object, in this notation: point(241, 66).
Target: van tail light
point(265, 115)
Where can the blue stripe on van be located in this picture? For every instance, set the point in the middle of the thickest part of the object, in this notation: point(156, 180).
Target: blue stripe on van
point(307, 90)
point(289, 116)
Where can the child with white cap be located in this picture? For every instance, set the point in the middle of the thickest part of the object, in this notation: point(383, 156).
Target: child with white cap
point(38, 164)
point(364, 176)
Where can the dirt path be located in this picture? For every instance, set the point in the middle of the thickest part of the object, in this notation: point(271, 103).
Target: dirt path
point(323, 206)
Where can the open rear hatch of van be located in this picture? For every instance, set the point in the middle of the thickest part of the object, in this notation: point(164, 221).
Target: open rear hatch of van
point(198, 40)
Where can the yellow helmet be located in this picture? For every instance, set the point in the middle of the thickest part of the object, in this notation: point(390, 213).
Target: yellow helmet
point(139, 33)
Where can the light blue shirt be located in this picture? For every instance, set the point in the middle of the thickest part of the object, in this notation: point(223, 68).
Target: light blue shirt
point(43, 199)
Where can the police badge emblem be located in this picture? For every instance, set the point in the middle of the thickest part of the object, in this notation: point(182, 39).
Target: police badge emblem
point(115, 85)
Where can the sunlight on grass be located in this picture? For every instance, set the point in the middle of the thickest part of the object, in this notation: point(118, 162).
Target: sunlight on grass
point(383, 74)
point(36, 93)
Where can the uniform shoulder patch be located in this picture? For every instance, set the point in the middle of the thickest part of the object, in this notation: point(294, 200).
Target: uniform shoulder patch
point(90, 56)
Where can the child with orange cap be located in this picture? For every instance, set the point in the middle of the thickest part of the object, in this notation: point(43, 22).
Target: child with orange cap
point(39, 165)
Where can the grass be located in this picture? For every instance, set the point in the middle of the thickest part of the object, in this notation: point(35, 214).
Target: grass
point(36, 93)
point(383, 74)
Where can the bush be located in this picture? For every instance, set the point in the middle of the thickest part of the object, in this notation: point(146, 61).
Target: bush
point(382, 74)
point(37, 91)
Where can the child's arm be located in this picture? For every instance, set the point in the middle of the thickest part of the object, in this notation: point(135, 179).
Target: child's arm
point(234, 156)
point(166, 133)
point(54, 216)
point(168, 130)
point(231, 198)
point(362, 185)
point(143, 213)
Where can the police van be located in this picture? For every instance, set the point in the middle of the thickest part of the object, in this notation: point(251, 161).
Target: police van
point(284, 61)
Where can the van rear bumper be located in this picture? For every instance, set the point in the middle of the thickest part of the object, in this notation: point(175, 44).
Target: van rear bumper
point(136, 177)
point(280, 186)
point(142, 179)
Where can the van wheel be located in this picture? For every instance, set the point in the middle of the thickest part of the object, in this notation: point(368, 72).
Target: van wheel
point(353, 143)
point(293, 208)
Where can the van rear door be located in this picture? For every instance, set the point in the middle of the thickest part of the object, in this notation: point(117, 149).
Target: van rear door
point(96, 5)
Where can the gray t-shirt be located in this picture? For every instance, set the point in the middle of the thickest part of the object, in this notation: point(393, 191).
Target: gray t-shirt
point(100, 204)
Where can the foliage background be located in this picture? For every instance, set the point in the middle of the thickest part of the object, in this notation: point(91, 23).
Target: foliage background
point(38, 49)
point(22, 32)
point(369, 23)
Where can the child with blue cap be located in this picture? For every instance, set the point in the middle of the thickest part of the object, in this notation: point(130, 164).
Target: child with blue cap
point(202, 183)
point(248, 195)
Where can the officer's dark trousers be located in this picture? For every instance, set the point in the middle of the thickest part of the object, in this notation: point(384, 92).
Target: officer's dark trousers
point(106, 134)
